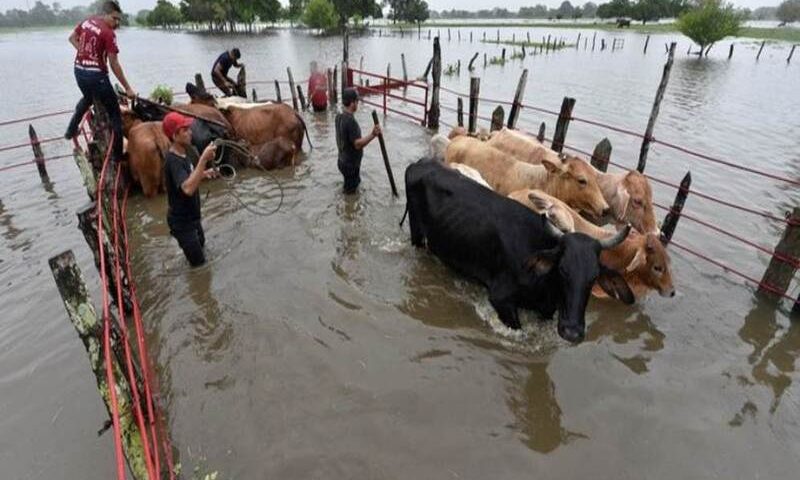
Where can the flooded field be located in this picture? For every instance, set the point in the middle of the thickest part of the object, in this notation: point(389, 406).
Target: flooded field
point(319, 344)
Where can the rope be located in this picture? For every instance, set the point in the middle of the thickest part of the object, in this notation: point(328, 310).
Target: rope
point(253, 160)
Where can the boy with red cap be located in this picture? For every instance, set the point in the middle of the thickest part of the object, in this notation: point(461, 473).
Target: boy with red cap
point(182, 180)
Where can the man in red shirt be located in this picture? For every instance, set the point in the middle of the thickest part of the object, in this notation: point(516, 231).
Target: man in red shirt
point(318, 89)
point(96, 46)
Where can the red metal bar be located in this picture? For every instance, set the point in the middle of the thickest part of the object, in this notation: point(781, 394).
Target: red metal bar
point(412, 83)
point(398, 97)
point(35, 117)
point(425, 107)
point(28, 144)
point(390, 109)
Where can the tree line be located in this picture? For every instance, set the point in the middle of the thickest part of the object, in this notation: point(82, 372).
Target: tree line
point(44, 15)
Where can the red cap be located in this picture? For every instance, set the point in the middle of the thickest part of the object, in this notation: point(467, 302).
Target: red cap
point(174, 121)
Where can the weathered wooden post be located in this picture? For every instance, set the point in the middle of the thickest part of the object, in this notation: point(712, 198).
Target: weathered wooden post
point(429, 34)
point(448, 34)
point(760, 49)
point(547, 45)
point(671, 220)
point(484, 60)
point(302, 97)
point(405, 72)
point(471, 67)
point(278, 92)
point(730, 52)
point(385, 155)
point(513, 38)
point(594, 39)
point(87, 173)
point(564, 117)
point(38, 155)
point(498, 115)
point(791, 53)
point(460, 112)
point(199, 83)
point(331, 101)
point(470, 37)
point(345, 57)
point(433, 111)
point(540, 134)
point(102, 360)
point(361, 69)
point(292, 88)
point(458, 67)
point(602, 44)
point(513, 115)
point(484, 35)
point(503, 56)
point(578, 41)
point(601, 155)
point(459, 35)
point(386, 86)
point(335, 84)
point(474, 93)
point(651, 122)
point(254, 96)
point(646, 43)
point(585, 42)
point(783, 264)
point(498, 35)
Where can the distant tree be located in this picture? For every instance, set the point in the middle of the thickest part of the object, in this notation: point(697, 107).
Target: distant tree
point(788, 11)
point(347, 9)
point(765, 13)
point(268, 11)
point(648, 10)
point(614, 9)
point(589, 10)
point(295, 9)
point(164, 15)
point(320, 14)
point(417, 11)
point(141, 17)
point(709, 22)
point(565, 10)
point(539, 11)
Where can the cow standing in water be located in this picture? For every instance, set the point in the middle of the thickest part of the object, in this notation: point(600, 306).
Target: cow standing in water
point(519, 256)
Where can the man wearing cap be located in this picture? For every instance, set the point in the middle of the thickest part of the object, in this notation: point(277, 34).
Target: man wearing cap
point(182, 180)
point(222, 65)
point(350, 142)
point(96, 46)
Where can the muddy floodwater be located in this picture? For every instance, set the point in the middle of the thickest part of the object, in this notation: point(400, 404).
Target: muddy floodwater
point(319, 344)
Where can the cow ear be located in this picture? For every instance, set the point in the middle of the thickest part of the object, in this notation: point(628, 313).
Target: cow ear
point(621, 201)
point(615, 285)
point(542, 262)
point(551, 167)
point(638, 260)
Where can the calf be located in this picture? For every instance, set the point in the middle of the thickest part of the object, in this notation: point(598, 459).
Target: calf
point(277, 153)
point(642, 259)
point(572, 181)
point(520, 257)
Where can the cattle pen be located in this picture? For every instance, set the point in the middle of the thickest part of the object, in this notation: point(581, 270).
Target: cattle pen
point(123, 371)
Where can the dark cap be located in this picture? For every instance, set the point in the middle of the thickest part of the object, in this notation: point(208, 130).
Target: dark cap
point(349, 95)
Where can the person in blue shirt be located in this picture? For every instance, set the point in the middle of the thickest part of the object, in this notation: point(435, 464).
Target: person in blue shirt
point(222, 65)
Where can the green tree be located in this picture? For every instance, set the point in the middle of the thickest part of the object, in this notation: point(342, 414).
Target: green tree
point(788, 11)
point(566, 10)
point(417, 11)
point(614, 9)
point(141, 17)
point(709, 22)
point(164, 15)
point(320, 14)
point(589, 10)
point(648, 10)
point(347, 9)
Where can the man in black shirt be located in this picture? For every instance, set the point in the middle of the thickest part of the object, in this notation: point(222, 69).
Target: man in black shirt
point(222, 65)
point(350, 142)
point(182, 181)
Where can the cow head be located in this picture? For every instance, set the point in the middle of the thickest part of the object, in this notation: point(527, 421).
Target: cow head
point(574, 264)
point(277, 153)
point(632, 202)
point(200, 95)
point(129, 120)
point(651, 265)
point(457, 132)
point(575, 182)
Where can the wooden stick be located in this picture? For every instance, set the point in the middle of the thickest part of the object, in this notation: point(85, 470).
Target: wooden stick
point(292, 88)
point(302, 98)
point(385, 155)
point(671, 220)
point(405, 73)
point(540, 135)
point(471, 67)
point(513, 115)
point(791, 53)
point(601, 155)
point(646, 43)
point(564, 117)
point(433, 112)
point(497, 118)
point(730, 52)
point(760, 49)
point(460, 112)
point(779, 274)
point(198, 82)
point(651, 122)
point(37, 153)
point(474, 93)
point(278, 92)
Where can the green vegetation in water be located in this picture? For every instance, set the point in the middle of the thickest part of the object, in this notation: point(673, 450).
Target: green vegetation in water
point(162, 94)
point(452, 69)
point(532, 45)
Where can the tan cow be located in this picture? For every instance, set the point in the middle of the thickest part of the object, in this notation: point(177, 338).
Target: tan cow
point(628, 194)
point(642, 259)
point(145, 149)
point(573, 181)
point(259, 125)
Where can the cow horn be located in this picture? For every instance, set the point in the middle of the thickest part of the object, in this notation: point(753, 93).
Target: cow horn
point(552, 229)
point(618, 238)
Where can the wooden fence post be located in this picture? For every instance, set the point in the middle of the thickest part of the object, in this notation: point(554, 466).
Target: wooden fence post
point(345, 56)
point(470, 37)
point(278, 92)
point(255, 96)
point(564, 117)
point(594, 38)
point(498, 116)
point(474, 93)
point(601, 155)
point(498, 35)
point(730, 52)
point(291, 88)
point(448, 34)
point(760, 49)
point(433, 111)
point(646, 42)
point(513, 115)
point(459, 34)
point(37, 153)
point(302, 98)
point(335, 84)
point(671, 220)
point(331, 101)
point(385, 155)
point(780, 272)
point(651, 122)
point(89, 326)
point(540, 135)
point(87, 173)
point(460, 112)
point(791, 52)
point(470, 67)
point(405, 73)
point(199, 83)
point(484, 60)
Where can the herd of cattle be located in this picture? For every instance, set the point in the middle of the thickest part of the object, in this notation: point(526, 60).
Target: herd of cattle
point(502, 209)
point(270, 133)
point(471, 204)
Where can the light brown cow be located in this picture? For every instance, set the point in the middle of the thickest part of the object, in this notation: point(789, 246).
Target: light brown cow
point(572, 181)
point(628, 194)
point(259, 125)
point(145, 148)
point(277, 153)
point(642, 259)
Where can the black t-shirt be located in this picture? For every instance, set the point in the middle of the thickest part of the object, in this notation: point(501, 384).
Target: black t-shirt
point(182, 207)
point(347, 132)
point(225, 61)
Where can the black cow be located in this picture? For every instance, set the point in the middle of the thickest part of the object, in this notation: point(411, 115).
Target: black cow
point(519, 256)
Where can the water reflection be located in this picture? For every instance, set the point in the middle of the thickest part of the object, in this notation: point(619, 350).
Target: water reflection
point(533, 402)
point(10, 232)
point(213, 332)
point(350, 239)
point(697, 81)
point(775, 348)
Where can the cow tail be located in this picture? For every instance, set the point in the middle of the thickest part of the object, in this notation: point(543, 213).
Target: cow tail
point(405, 214)
point(305, 129)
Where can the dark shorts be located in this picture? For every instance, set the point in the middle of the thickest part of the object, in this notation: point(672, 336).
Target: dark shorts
point(191, 238)
point(352, 176)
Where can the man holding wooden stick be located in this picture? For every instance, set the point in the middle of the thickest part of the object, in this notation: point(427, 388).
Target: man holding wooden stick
point(350, 142)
